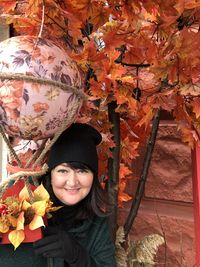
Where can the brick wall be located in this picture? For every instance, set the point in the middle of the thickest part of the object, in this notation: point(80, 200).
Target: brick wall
point(167, 205)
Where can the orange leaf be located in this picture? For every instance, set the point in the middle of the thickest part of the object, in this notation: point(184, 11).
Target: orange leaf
point(132, 104)
point(53, 209)
point(16, 237)
point(100, 17)
point(124, 170)
point(7, 6)
point(96, 89)
point(123, 197)
point(25, 205)
point(13, 221)
point(96, 11)
point(129, 149)
point(111, 37)
point(24, 25)
point(196, 107)
point(25, 156)
point(23, 194)
point(134, 55)
point(20, 221)
point(40, 207)
point(89, 54)
point(189, 4)
point(4, 226)
point(41, 193)
point(190, 89)
point(148, 116)
point(189, 136)
point(120, 97)
point(37, 222)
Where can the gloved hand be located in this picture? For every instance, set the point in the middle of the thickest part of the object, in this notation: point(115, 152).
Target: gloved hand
point(58, 243)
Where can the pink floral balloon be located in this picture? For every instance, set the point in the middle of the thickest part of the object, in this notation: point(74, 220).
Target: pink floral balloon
point(31, 110)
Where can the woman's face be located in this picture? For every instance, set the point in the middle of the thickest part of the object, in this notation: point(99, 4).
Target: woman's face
point(69, 185)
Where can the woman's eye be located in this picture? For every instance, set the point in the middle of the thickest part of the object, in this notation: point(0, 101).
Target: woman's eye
point(63, 171)
point(82, 170)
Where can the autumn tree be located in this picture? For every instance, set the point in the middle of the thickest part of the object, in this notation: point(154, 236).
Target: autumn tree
point(138, 58)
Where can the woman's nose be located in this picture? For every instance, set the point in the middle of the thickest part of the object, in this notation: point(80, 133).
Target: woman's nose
point(72, 179)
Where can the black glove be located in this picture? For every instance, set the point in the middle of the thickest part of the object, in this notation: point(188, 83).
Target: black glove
point(59, 244)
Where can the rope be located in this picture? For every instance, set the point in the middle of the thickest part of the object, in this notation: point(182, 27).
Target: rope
point(33, 158)
point(35, 155)
point(28, 173)
point(28, 187)
point(21, 174)
point(14, 155)
point(11, 150)
point(33, 79)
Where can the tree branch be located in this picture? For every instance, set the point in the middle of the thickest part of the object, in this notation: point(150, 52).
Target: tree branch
point(119, 60)
point(141, 184)
point(113, 165)
point(133, 65)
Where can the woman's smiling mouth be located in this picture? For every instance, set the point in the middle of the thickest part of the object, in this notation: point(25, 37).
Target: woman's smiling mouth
point(72, 190)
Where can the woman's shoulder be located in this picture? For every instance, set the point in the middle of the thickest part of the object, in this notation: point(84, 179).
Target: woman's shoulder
point(100, 222)
point(90, 224)
point(95, 237)
point(99, 229)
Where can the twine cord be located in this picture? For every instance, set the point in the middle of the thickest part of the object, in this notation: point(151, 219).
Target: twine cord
point(44, 81)
point(36, 154)
point(22, 174)
point(33, 158)
point(28, 173)
point(10, 148)
point(14, 155)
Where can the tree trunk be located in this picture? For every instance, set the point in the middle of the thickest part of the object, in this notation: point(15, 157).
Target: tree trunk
point(113, 166)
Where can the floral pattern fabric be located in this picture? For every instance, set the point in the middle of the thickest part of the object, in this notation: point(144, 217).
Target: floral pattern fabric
point(30, 110)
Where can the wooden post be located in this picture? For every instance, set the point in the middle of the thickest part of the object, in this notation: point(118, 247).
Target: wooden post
point(196, 199)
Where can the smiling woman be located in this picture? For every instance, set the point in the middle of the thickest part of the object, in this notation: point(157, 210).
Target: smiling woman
point(71, 183)
point(79, 232)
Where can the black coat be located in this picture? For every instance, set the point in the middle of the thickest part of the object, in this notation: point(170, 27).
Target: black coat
point(95, 237)
point(92, 234)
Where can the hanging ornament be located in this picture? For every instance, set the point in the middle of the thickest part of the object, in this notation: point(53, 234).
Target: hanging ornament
point(39, 87)
point(41, 94)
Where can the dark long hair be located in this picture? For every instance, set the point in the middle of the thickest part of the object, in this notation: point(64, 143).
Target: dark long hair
point(95, 203)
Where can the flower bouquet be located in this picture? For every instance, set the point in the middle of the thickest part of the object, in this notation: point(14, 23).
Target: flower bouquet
point(22, 216)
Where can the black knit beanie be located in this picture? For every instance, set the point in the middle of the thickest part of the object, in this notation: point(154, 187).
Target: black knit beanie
point(76, 144)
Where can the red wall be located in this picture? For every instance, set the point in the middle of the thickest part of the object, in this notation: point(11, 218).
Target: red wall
point(167, 206)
